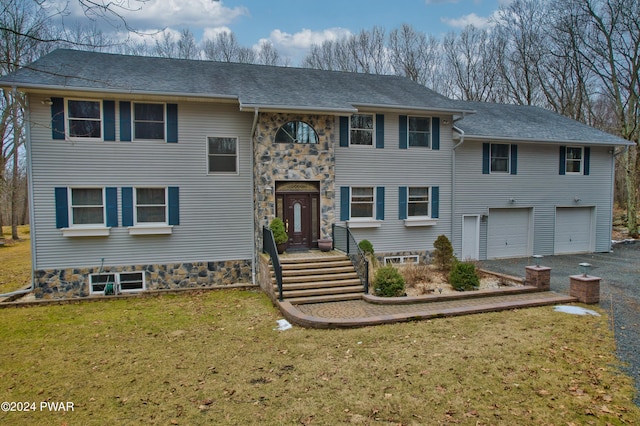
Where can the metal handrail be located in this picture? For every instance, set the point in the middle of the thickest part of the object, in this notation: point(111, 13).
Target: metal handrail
point(269, 247)
point(344, 241)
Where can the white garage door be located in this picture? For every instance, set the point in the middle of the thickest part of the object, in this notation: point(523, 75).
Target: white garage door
point(508, 233)
point(573, 230)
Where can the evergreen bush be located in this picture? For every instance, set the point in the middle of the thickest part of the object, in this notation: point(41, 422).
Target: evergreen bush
point(463, 276)
point(388, 282)
point(366, 247)
point(279, 234)
point(443, 253)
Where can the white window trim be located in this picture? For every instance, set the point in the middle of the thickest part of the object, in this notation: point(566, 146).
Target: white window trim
point(402, 260)
point(133, 121)
point(566, 161)
point(89, 229)
point(412, 221)
point(430, 132)
point(506, 172)
point(150, 228)
point(67, 126)
point(364, 223)
point(237, 172)
point(117, 288)
point(373, 132)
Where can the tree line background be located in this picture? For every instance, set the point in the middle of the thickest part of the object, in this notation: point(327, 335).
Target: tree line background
point(580, 58)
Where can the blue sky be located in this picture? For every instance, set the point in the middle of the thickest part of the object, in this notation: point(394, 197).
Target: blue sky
point(292, 26)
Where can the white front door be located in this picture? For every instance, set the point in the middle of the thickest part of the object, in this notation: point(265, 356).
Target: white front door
point(470, 237)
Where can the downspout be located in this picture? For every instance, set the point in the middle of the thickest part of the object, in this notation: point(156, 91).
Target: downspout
point(254, 252)
point(30, 182)
point(453, 176)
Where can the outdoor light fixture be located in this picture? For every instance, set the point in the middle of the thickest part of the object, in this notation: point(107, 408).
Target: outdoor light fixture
point(47, 101)
point(577, 200)
point(536, 259)
point(584, 268)
point(512, 200)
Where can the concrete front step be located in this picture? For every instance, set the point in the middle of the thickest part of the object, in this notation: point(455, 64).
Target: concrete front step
point(315, 264)
point(321, 284)
point(322, 291)
point(324, 299)
point(315, 278)
point(317, 271)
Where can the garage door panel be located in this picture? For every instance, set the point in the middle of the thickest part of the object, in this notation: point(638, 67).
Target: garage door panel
point(508, 233)
point(573, 232)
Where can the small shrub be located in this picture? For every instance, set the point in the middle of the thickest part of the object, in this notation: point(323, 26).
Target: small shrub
point(366, 247)
point(464, 277)
point(279, 234)
point(388, 282)
point(415, 273)
point(443, 253)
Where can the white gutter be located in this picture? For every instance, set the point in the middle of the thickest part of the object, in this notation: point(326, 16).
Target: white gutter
point(414, 108)
point(453, 178)
point(295, 108)
point(27, 119)
point(541, 141)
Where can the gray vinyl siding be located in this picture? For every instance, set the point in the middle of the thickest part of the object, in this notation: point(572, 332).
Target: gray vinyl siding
point(392, 167)
point(537, 185)
point(215, 210)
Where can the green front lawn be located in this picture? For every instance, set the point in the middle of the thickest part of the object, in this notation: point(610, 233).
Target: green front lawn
point(215, 358)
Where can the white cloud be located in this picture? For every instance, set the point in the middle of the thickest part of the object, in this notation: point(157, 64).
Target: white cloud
point(140, 14)
point(466, 20)
point(295, 46)
point(211, 33)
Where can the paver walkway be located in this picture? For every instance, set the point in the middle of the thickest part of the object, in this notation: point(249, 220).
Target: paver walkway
point(359, 313)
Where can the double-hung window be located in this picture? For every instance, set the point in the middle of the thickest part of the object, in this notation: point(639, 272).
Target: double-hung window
point(362, 203)
point(418, 202)
point(222, 154)
point(151, 205)
point(87, 207)
point(500, 158)
point(574, 160)
point(84, 118)
point(361, 130)
point(419, 132)
point(148, 121)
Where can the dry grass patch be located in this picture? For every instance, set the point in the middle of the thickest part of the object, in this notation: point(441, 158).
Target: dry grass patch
point(215, 358)
point(15, 260)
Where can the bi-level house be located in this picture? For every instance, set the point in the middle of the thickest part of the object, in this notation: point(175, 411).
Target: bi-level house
point(162, 173)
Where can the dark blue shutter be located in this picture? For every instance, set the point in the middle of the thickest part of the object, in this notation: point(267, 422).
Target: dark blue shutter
point(380, 203)
point(344, 131)
point(172, 123)
point(403, 134)
point(486, 158)
point(514, 159)
point(109, 112)
point(587, 159)
point(402, 203)
point(62, 207)
point(379, 130)
point(435, 130)
point(563, 159)
point(345, 202)
point(174, 205)
point(125, 121)
point(57, 118)
point(435, 202)
point(112, 206)
point(127, 206)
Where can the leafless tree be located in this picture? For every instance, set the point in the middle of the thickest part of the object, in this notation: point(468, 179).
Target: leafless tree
point(417, 56)
point(224, 47)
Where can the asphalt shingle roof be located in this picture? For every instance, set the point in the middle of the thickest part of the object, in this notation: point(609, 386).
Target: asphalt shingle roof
point(529, 123)
point(252, 85)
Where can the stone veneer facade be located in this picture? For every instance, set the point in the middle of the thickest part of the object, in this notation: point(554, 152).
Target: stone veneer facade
point(74, 282)
point(288, 162)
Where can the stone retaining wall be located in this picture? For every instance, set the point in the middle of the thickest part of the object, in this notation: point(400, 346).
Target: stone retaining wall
point(74, 282)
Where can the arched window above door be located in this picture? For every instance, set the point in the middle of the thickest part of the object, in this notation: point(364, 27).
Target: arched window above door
point(296, 132)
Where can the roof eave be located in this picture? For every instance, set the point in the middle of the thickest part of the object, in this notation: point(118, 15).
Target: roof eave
point(551, 141)
point(296, 108)
point(415, 108)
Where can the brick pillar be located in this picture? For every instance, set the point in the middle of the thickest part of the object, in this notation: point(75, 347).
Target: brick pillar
point(539, 277)
point(585, 288)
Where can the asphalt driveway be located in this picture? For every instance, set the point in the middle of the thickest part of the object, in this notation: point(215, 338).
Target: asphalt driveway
point(619, 292)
